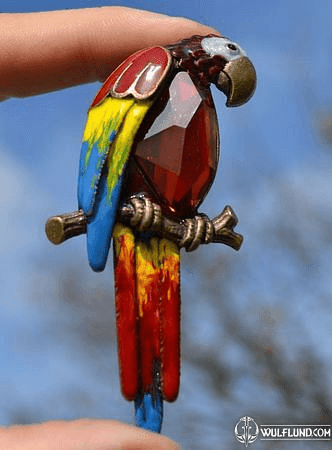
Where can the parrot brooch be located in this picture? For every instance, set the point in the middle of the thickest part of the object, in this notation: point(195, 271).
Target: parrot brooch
point(149, 156)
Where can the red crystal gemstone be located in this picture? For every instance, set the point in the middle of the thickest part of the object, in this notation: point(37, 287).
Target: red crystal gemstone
point(179, 154)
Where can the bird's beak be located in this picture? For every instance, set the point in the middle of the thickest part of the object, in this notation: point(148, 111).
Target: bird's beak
point(237, 81)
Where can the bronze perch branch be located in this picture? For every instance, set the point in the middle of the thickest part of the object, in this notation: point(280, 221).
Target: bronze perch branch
point(144, 215)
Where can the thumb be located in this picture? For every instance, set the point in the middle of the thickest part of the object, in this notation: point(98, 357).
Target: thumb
point(82, 434)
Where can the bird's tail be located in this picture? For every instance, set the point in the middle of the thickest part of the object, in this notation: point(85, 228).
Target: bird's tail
point(147, 296)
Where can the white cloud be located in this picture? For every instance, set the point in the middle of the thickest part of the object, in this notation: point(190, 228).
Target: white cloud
point(21, 203)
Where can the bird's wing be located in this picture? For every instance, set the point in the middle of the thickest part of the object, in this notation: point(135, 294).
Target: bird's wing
point(113, 121)
point(109, 134)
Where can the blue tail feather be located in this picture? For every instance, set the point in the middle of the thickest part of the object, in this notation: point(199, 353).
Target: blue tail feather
point(149, 412)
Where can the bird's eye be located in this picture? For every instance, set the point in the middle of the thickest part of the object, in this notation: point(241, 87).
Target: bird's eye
point(232, 47)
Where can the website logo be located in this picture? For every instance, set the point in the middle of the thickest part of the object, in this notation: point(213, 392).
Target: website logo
point(247, 431)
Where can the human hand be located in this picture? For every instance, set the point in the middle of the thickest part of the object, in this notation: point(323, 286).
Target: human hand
point(43, 52)
point(46, 51)
point(83, 434)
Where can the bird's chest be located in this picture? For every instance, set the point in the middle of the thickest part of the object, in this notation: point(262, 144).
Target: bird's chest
point(176, 161)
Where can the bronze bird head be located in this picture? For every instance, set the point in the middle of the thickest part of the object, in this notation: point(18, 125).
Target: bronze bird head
point(218, 60)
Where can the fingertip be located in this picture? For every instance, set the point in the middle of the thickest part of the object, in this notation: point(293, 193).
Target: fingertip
point(169, 27)
point(83, 434)
point(132, 30)
point(195, 27)
point(151, 28)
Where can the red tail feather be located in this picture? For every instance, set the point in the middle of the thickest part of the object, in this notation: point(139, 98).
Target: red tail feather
point(148, 313)
point(126, 310)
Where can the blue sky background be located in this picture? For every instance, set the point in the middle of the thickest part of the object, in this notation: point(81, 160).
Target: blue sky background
point(273, 160)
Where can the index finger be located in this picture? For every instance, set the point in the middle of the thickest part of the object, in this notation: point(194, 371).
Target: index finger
point(41, 52)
